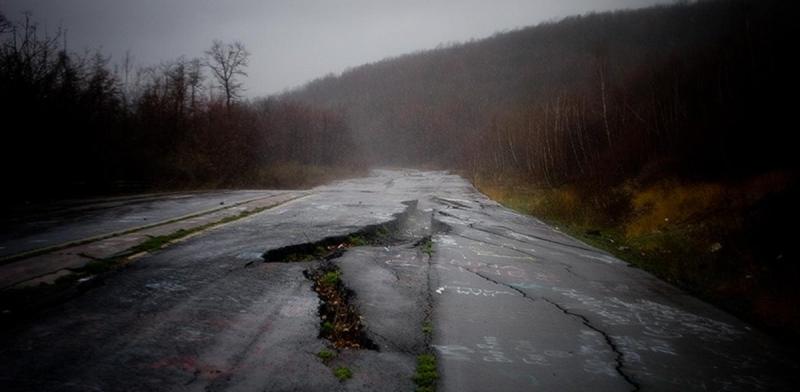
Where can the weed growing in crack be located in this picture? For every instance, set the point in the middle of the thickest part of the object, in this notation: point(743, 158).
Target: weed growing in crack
point(427, 328)
point(356, 240)
point(426, 375)
point(326, 328)
point(331, 278)
point(343, 373)
point(326, 355)
point(382, 235)
point(340, 322)
point(426, 246)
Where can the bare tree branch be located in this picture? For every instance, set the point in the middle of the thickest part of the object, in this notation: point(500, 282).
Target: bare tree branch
point(227, 62)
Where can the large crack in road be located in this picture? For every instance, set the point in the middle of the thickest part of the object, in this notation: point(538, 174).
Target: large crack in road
point(342, 271)
point(619, 356)
point(418, 263)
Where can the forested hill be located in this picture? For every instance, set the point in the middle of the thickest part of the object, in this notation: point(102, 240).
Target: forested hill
point(692, 87)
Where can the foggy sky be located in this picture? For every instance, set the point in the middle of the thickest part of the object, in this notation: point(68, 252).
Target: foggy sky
point(291, 41)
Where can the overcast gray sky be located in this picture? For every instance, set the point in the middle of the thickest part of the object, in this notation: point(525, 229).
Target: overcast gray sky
point(291, 41)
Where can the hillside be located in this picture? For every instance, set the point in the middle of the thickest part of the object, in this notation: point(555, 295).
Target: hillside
point(659, 134)
point(668, 79)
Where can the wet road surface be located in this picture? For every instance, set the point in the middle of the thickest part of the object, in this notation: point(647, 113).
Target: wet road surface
point(503, 301)
point(42, 225)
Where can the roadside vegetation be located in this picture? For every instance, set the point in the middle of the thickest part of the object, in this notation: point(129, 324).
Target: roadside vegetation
point(728, 242)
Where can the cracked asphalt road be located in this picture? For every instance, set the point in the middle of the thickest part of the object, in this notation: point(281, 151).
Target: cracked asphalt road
point(514, 305)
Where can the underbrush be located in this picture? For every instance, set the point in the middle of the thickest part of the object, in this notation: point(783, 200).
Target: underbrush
point(729, 242)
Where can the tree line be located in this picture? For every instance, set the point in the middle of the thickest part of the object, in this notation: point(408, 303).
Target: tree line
point(80, 123)
point(691, 89)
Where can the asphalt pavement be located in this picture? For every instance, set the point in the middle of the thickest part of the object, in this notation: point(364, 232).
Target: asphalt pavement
point(39, 225)
point(504, 302)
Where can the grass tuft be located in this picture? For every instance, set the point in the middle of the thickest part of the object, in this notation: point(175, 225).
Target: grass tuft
point(426, 246)
point(331, 278)
point(426, 375)
point(342, 373)
point(326, 355)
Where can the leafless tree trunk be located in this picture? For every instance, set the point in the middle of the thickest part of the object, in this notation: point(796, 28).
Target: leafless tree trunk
point(227, 63)
point(195, 82)
point(605, 104)
point(127, 68)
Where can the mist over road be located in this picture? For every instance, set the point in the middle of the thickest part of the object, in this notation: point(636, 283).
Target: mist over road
point(429, 264)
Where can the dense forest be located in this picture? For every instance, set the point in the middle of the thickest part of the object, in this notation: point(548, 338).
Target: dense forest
point(680, 87)
point(80, 123)
point(660, 134)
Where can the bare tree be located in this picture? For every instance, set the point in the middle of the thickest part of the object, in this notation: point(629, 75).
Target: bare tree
point(5, 25)
point(127, 69)
point(227, 62)
point(195, 82)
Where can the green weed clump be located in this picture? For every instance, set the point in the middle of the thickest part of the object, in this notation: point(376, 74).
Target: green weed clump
point(343, 373)
point(426, 246)
point(356, 240)
point(331, 278)
point(426, 375)
point(326, 355)
point(327, 327)
point(427, 328)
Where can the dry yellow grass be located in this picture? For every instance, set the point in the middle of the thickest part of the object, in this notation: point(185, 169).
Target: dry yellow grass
point(657, 208)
